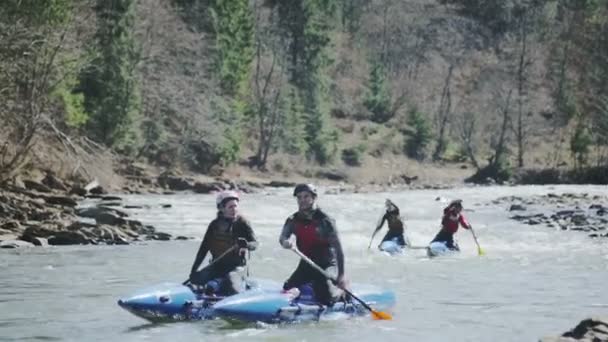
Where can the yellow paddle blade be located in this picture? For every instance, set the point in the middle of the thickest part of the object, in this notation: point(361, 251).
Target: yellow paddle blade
point(379, 315)
point(480, 251)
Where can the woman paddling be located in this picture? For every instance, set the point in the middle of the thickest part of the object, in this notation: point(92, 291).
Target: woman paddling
point(451, 221)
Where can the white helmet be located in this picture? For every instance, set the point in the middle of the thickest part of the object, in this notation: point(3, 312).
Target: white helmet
point(225, 196)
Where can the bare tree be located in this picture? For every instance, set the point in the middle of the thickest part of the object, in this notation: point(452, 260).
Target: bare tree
point(28, 61)
point(500, 147)
point(467, 132)
point(524, 26)
point(268, 80)
point(35, 59)
point(443, 115)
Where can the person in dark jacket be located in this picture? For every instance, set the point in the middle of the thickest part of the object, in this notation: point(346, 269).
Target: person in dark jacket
point(396, 228)
point(317, 238)
point(228, 238)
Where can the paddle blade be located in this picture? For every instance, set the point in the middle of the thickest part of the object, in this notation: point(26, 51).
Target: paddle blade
point(480, 251)
point(379, 315)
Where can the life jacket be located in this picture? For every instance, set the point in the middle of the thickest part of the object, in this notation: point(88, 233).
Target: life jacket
point(395, 225)
point(452, 220)
point(224, 236)
point(309, 238)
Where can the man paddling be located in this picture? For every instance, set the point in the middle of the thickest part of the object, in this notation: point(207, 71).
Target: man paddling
point(229, 236)
point(317, 238)
point(396, 227)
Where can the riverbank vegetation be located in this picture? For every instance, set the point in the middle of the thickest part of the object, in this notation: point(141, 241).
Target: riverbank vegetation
point(364, 90)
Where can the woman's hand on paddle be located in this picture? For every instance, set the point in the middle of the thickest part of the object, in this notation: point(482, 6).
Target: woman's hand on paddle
point(341, 282)
point(243, 245)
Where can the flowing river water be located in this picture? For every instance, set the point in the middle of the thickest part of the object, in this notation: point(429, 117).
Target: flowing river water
point(533, 281)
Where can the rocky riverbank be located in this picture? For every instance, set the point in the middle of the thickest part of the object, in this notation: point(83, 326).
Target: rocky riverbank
point(48, 213)
point(568, 211)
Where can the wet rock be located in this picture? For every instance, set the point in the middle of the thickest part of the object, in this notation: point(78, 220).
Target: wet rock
point(11, 226)
point(579, 220)
point(53, 182)
point(93, 212)
point(98, 190)
point(15, 244)
point(78, 190)
point(527, 217)
point(160, 236)
point(109, 218)
point(133, 207)
point(280, 184)
point(32, 185)
point(206, 188)
point(30, 233)
point(111, 198)
point(43, 215)
point(181, 237)
point(111, 204)
point(165, 205)
point(61, 200)
point(517, 207)
point(62, 238)
point(174, 182)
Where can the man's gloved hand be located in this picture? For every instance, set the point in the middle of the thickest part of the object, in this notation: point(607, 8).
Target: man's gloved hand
point(287, 244)
point(242, 243)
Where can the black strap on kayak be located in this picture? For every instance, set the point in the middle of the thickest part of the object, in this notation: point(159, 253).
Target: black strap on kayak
point(214, 261)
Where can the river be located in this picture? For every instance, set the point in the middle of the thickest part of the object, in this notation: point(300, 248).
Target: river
point(533, 281)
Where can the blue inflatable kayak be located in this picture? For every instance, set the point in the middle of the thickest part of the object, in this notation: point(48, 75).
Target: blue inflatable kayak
point(278, 307)
point(175, 302)
point(391, 247)
point(439, 248)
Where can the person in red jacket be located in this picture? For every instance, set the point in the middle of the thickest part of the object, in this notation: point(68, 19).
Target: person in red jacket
point(451, 221)
point(317, 238)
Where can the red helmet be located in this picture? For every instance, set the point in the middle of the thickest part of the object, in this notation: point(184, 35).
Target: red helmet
point(225, 196)
point(305, 187)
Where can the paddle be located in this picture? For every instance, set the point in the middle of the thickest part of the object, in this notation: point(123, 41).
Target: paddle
point(375, 314)
point(370, 241)
point(479, 250)
point(214, 261)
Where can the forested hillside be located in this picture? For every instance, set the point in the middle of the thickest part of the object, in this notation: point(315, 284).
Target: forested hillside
point(295, 87)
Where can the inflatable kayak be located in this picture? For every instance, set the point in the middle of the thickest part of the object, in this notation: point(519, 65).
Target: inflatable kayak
point(280, 306)
point(439, 248)
point(391, 247)
point(176, 302)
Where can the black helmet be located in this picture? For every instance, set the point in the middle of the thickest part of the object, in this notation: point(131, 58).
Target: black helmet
point(456, 204)
point(305, 187)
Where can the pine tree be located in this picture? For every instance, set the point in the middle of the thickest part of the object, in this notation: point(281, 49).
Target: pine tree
point(234, 28)
point(378, 100)
point(109, 84)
